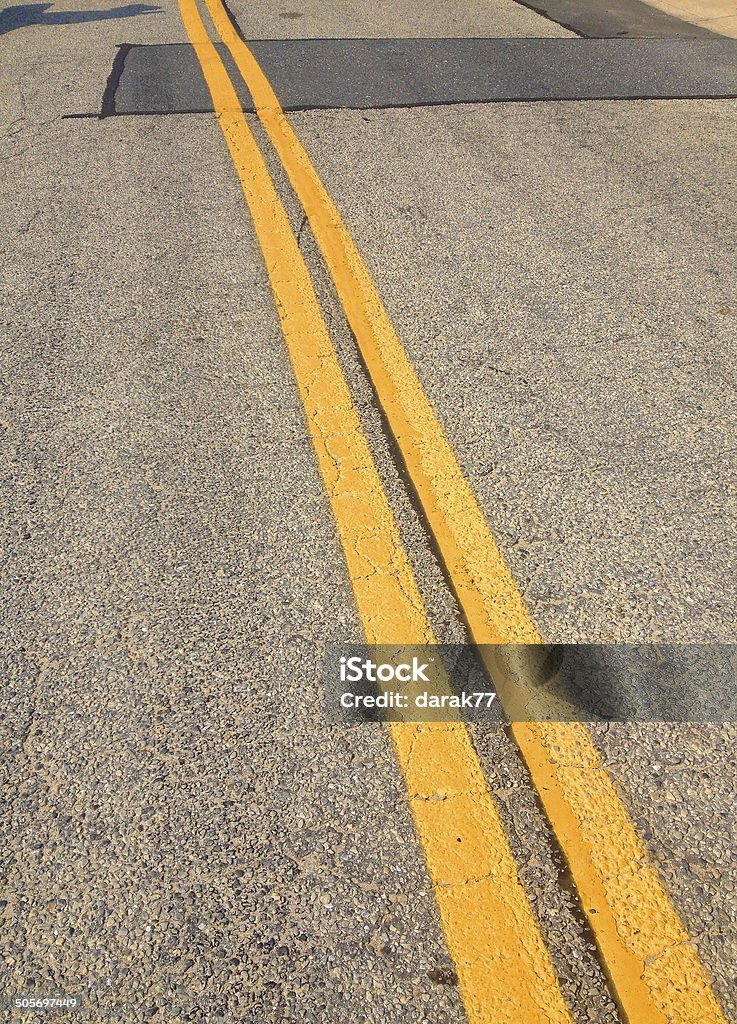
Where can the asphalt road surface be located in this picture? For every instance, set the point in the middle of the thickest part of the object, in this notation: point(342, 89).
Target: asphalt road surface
point(488, 395)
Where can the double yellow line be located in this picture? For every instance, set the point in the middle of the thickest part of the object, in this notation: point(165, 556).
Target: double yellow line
point(505, 971)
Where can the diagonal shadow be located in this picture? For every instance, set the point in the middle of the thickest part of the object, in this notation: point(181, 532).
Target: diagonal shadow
point(23, 15)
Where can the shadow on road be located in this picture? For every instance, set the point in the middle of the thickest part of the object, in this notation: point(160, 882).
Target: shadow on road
point(39, 14)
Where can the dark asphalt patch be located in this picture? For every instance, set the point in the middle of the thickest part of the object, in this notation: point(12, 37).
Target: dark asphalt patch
point(310, 74)
point(624, 19)
point(163, 79)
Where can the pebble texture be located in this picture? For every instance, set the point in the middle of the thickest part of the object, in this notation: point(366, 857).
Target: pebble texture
point(185, 840)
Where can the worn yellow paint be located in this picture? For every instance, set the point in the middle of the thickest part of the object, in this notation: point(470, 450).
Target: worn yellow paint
point(485, 913)
point(505, 971)
point(385, 589)
point(491, 596)
point(655, 972)
point(653, 966)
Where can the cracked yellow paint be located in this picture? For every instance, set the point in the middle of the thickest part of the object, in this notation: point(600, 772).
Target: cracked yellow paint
point(376, 560)
point(503, 967)
point(649, 956)
point(505, 972)
point(631, 916)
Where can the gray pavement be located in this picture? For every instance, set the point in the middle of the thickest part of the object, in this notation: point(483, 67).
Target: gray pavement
point(575, 338)
point(403, 19)
point(186, 840)
point(577, 344)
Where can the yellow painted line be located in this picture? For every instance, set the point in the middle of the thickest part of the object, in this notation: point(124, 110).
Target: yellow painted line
point(651, 961)
point(505, 972)
point(654, 970)
point(388, 601)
